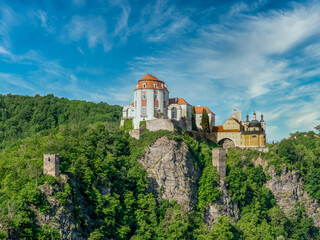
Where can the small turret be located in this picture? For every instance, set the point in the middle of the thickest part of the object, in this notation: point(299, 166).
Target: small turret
point(254, 116)
point(263, 123)
point(246, 123)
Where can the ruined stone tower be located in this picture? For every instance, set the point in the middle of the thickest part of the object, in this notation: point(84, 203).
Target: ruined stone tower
point(51, 164)
point(219, 161)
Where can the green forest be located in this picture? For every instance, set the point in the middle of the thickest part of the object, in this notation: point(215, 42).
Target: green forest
point(105, 189)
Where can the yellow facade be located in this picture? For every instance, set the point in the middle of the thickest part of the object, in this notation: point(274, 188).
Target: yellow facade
point(231, 124)
point(241, 134)
point(252, 140)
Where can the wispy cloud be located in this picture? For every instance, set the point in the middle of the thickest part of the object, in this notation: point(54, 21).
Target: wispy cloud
point(16, 81)
point(121, 28)
point(92, 28)
point(98, 29)
point(161, 21)
point(244, 62)
point(79, 3)
point(221, 54)
point(8, 18)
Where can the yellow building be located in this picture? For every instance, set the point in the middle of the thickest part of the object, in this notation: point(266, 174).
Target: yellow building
point(248, 134)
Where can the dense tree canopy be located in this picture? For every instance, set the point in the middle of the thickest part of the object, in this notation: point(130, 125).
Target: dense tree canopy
point(99, 155)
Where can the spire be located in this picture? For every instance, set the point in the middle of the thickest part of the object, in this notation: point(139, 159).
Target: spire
point(247, 118)
point(254, 116)
point(262, 118)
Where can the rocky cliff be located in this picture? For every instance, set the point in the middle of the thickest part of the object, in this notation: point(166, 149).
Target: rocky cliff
point(62, 215)
point(223, 207)
point(172, 171)
point(288, 190)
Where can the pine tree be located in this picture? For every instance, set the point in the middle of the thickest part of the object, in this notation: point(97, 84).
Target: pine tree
point(205, 121)
point(193, 119)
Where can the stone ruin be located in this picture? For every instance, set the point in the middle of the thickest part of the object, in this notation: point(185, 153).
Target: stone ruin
point(51, 164)
point(219, 161)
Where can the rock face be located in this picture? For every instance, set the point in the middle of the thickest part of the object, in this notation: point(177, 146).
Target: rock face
point(171, 171)
point(288, 189)
point(223, 207)
point(61, 216)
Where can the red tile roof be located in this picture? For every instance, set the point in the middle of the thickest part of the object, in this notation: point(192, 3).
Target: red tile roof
point(150, 82)
point(132, 104)
point(179, 101)
point(231, 118)
point(199, 109)
point(149, 77)
point(219, 128)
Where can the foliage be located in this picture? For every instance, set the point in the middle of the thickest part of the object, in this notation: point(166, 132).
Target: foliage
point(127, 124)
point(48, 233)
point(286, 150)
point(300, 153)
point(142, 123)
point(97, 155)
point(205, 121)
point(23, 116)
point(193, 119)
point(224, 230)
point(261, 218)
point(208, 187)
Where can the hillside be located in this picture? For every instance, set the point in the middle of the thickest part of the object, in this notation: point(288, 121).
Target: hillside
point(162, 186)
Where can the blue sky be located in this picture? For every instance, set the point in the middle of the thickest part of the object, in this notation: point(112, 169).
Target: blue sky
point(251, 55)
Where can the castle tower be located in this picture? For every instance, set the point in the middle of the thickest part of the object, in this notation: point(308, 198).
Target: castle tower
point(219, 161)
point(151, 97)
point(51, 164)
point(236, 115)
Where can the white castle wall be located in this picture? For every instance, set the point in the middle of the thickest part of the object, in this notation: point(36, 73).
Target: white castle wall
point(160, 124)
point(150, 107)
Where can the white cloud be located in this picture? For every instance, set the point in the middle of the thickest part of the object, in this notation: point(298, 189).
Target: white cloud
point(43, 18)
point(79, 3)
point(121, 29)
point(4, 51)
point(245, 62)
point(97, 30)
point(15, 80)
point(92, 28)
point(8, 18)
point(161, 21)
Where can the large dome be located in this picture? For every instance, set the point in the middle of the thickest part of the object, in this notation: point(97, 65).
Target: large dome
point(254, 123)
point(151, 82)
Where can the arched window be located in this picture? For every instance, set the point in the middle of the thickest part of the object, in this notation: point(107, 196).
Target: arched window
point(144, 85)
point(173, 112)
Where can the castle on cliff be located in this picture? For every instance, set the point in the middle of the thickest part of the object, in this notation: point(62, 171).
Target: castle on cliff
point(152, 108)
